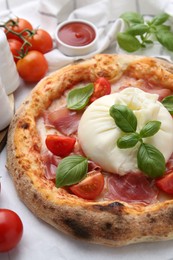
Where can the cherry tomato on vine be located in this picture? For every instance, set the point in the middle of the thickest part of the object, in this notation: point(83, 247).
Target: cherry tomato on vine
point(40, 41)
point(32, 67)
point(102, 87)
point(166, 183)
point(15, 47)
point(11, 229)
point(60, 145)
point(17, 25)
point(90, 187)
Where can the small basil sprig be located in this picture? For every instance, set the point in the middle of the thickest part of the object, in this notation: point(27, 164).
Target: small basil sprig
point(78, 98)
point(140, 33)
point(71, 170)
point(150, 160)
point(168, 103)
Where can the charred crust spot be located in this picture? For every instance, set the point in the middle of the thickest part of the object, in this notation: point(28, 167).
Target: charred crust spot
point(78, 215)
point(113, 207)
point(78, 229)
point(108, 225)
point(168, 216)
point(50, 208)
point(151, 219)
point(35, 196)
point(25, 125)
point(115, 204)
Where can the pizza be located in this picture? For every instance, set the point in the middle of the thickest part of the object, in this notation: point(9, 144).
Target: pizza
point(90, 150)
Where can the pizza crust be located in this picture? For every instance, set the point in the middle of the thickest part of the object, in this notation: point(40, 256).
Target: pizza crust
point(114, 223)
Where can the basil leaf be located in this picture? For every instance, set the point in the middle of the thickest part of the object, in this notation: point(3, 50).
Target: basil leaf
point(124, 118)
point(163, 27)
point(159, 19)
point(132, 17)
point(150, 160)
point(78, 98)
point(139, 33)
point(165, 38)
point(128, 42)
point(71, 170)
point(128, 141)
point(137, 29)
point(168, 103)
point(150, 129)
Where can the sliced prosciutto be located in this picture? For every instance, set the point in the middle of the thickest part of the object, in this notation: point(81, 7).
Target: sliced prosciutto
point(50, 162)
point(131, 188)
point(92, 166)
point(63, 119)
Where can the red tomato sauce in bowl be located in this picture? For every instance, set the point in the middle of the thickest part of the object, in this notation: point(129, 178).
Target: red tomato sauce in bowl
point(77, 34)
point(76, 37)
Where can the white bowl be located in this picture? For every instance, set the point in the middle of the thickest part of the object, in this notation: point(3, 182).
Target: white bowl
point(74, 42)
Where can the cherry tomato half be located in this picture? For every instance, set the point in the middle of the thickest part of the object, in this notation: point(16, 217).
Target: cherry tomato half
point(90, 187)
point(32, 67)
point(102, 87)
point(40, 41)
point(15, 47)
point(60, 145)
point(166, 183)
point(11, 229)
point(17, 25)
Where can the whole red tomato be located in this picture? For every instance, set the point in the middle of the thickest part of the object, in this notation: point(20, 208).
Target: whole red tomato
point(40, 40)
point(11, 229)
point(32, 67)
point(15, 47)
point(17, 25)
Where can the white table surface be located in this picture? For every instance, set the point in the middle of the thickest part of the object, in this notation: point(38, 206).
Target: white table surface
point(41, 242)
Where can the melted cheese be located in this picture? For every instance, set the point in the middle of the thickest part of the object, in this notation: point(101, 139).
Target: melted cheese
point(98, 132)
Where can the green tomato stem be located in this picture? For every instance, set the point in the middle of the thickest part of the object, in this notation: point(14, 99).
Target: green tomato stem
point(24, 50)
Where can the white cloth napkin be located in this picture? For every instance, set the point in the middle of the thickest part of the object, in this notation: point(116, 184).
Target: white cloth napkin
point(103, 13)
